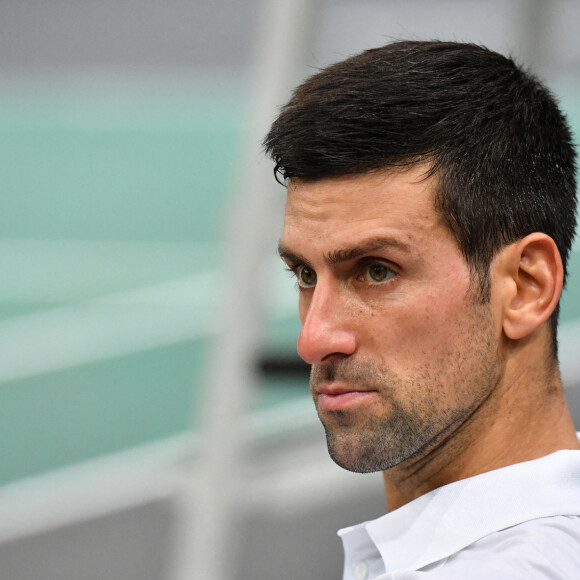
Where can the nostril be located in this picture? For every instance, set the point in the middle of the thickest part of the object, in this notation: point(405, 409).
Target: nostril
point(333, 356)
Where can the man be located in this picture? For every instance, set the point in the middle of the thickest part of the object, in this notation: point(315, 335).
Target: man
point(430, 213)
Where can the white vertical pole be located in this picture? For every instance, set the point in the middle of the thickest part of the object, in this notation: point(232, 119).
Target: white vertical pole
point(535, 17)
point(205, 545)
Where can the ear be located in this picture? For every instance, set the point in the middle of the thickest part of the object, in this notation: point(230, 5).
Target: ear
point(530, 276)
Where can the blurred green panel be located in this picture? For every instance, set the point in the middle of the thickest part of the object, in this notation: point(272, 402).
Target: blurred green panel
point(53, 420)
point(80, 170)
point(570, 303)
point(138, 172)
point(570, 307)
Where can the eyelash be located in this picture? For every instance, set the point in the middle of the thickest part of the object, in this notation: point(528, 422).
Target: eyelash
point(363, 271)
point(293, 272)
point(390, 274)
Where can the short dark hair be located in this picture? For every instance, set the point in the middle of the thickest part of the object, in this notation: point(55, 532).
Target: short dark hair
point(493, 133)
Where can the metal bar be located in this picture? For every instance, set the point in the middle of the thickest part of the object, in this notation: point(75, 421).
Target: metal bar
point(206, 544)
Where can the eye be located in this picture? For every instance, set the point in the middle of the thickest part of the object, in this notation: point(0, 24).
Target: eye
point(378, 272)
point(306, 277)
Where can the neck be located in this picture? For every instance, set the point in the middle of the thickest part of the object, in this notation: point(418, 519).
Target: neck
point(525, 418)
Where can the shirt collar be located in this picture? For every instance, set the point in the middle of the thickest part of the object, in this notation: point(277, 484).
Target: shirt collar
point(448, 519)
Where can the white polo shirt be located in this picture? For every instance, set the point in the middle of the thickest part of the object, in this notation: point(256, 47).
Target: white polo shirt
point(518, 522)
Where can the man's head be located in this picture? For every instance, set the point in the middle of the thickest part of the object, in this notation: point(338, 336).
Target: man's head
point(490, 133)
point(430, 211)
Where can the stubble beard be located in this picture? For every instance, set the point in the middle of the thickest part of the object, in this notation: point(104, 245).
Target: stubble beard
point(412, 415)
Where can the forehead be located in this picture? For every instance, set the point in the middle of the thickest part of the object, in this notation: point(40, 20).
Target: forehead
point(390, 202)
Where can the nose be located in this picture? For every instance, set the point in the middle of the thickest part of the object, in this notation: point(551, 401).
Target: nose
point(327, 329)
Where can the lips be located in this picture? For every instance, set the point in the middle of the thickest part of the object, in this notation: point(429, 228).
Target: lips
point(336, 398)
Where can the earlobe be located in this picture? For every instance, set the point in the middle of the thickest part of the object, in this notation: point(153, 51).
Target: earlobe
point(533, 278)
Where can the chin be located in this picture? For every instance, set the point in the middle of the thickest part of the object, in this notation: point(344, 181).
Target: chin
point(352, 457)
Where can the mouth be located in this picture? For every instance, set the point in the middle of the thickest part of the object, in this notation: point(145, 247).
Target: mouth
point(338, 398)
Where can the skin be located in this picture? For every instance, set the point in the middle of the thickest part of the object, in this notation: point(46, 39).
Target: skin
point(411, 374)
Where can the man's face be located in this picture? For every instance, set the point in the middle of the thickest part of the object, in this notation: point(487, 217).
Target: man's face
point(402, 354)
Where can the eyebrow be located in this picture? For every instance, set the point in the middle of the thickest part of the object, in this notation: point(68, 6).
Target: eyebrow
point(342, 255)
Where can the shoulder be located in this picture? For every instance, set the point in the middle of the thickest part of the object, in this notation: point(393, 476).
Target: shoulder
point(541, 549)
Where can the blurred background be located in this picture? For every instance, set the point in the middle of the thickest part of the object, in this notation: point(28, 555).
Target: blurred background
point(155, 422)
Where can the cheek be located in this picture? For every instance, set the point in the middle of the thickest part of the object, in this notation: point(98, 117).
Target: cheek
point(425, 327)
